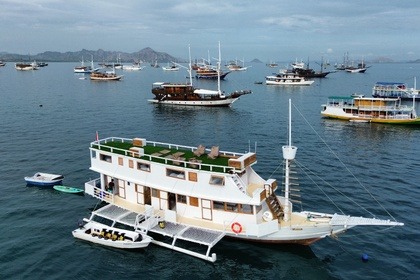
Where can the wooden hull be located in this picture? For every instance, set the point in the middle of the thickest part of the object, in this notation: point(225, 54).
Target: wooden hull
point(212, 103)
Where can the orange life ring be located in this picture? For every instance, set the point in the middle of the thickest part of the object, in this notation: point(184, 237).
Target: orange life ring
point(236, 227)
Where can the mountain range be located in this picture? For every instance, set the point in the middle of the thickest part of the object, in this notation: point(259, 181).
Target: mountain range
point(144, 55)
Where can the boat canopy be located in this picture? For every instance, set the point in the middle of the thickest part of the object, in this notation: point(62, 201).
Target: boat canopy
point(206, 92)
point(389, 83)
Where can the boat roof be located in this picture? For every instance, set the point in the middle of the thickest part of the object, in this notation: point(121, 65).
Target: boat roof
point(206, 91)
point(389, 83)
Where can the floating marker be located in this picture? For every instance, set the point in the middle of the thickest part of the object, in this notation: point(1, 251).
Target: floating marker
point(365, 257)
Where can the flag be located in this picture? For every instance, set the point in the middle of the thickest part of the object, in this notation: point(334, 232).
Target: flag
point(97, 136)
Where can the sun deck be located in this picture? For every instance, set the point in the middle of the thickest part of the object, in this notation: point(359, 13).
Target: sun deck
point(173, 154)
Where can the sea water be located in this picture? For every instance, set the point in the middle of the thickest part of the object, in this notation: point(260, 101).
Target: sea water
point(49, 117)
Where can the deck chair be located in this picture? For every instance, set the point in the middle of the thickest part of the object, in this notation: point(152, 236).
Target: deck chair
point(200, 150)
point(214, 153)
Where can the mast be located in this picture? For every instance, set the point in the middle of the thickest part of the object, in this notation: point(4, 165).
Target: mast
point(218, 73)
point(189, 65)
point(289, 153)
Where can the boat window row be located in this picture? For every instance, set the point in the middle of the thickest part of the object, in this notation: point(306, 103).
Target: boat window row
point(234, 207)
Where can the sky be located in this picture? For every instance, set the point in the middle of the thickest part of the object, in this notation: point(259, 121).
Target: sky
point(267, 30)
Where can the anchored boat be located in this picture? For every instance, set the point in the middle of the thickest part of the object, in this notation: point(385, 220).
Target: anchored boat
point(370, 109)
point(202, 194)
point(112, 237)
point(44, 179)
point(187, 95)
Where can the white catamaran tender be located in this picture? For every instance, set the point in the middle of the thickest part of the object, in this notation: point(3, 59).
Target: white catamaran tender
point(201, 195)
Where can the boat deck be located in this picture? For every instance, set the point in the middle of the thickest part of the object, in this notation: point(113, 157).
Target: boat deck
point(173, 230)
point(166, 153)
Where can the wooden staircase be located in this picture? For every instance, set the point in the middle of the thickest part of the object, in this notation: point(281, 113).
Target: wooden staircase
point(275, 207)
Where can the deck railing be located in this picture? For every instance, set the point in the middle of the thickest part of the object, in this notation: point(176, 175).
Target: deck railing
point(102, 145)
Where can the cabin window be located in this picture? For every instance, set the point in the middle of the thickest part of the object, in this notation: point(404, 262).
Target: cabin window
point(193, 201)
point(258, 208)
point(120, 161)
point(106, 158)
point(217, 205)
point(247, 209)
point(175, 173)
point(233, 207)
point(143, 166)
point(181, 198)
point(93, 154)
point(155, 193)
point(217, 180)
point(130, 163)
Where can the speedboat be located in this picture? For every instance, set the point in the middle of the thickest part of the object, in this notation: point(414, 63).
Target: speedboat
point(44, 179)
point(110, 236)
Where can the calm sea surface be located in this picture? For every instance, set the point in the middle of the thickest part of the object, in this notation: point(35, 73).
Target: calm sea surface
point(49, 117)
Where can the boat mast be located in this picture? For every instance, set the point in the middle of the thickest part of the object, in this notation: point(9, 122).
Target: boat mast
point(289, 153)
point(218, 72)
point(189, 65)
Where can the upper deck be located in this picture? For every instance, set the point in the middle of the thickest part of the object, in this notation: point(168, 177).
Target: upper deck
point(177, 155)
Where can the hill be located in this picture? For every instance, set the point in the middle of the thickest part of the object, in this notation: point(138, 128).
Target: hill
point(144, 55)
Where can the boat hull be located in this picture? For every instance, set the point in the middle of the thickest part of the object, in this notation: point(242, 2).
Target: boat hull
point(44, 179)
point(92, 232)
point(336, 113)
point(67, 189)
point(208, 103)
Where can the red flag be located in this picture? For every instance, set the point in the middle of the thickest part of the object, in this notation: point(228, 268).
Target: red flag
point(97, 136)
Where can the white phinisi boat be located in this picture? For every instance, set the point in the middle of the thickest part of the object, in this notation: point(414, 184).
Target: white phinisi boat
point(287, 79)
point(112, 237)
point(203, 195)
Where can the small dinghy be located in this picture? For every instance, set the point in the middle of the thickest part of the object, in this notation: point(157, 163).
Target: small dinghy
point(113, 237)
point(67, 189)
point(44, 179)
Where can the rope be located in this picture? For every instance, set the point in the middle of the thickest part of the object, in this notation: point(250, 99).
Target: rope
point(351, 173)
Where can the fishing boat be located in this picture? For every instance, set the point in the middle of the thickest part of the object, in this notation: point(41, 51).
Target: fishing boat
point(395, 90)
point(234, 66)
point(25, 66)
point(133, 67)
point(172, 67)
point(370, 109)
point(44, 179)
point(201, 195)
point(187, 95)
point(360, 68)
point(110, 236)
point(287, 79)
point(67, 189)
point(210, 73)
point(85, 69)
point(105, 76)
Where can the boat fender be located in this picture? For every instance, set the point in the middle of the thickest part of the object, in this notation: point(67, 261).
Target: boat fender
point(267, 216)
point(236, 227)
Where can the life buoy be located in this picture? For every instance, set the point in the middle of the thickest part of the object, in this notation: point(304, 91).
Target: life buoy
point(236, 227)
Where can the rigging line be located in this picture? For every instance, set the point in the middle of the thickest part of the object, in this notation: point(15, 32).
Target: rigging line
point(303, 168)
point(337, 190)
point(351, 173)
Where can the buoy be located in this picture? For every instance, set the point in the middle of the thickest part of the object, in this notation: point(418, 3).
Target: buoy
point(365, 257)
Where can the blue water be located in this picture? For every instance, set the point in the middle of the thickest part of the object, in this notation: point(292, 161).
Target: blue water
point(49, 117)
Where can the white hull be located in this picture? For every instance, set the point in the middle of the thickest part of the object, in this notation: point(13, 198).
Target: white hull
point(92, 232)
point(215, 103)
point(44, 179)
point(288, 83)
